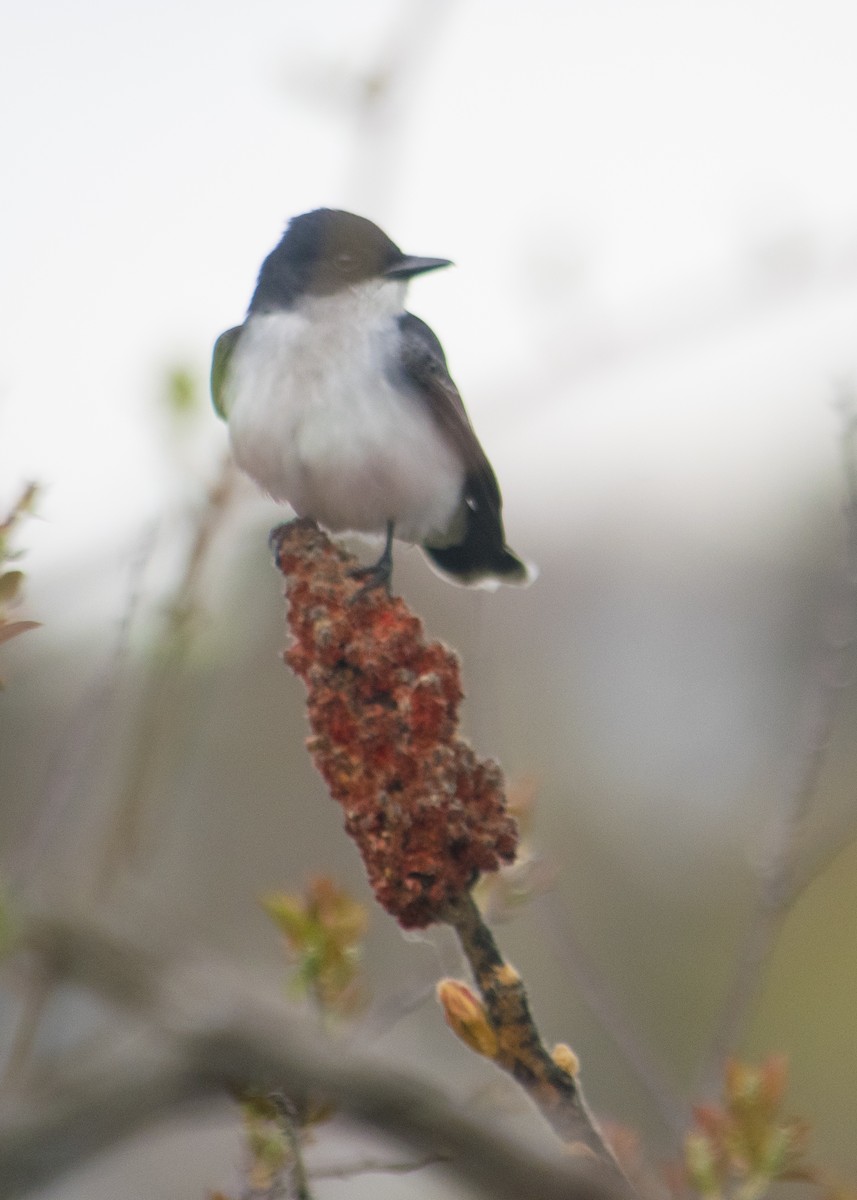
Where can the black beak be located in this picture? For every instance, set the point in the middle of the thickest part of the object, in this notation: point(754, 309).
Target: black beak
point(409, 265)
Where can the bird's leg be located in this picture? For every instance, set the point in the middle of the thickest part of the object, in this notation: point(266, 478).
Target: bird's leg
point(380, 574)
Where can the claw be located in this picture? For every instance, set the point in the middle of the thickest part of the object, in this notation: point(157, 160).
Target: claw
point(380, 573)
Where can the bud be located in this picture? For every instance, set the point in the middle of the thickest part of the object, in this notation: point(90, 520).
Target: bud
point(701, 1164)
point(566, 1059)
point(466, 1016)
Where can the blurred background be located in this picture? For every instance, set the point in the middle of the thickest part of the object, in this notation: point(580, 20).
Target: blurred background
point(652, 208)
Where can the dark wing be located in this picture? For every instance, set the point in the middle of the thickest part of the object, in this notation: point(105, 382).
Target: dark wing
point(424, 366)
point(479, 550)
point(223, 348)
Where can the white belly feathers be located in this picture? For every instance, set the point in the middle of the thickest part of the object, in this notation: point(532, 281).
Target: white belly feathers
point(315, 422)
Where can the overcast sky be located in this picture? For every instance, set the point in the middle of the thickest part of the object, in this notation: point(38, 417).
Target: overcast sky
point(652, 207)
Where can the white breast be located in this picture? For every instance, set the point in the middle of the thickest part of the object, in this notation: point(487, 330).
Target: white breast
point(315, 421)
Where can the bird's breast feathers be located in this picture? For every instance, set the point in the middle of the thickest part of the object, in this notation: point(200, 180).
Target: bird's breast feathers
point(316, 419)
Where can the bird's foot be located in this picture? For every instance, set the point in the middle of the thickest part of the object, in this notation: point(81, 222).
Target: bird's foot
point(379, 574)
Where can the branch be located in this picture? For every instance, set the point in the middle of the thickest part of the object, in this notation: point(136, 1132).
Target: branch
point(219, 1038)
point(780, 877)
point(123, 840)
point(520, 1050)
point(596, 994)
point(426, 814)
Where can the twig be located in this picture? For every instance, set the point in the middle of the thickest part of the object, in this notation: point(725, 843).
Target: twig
point(70, 770)
point(521, 1052)
point(11, 581)
point(289, 1122)
point(20, 508)
point(384, 103)
point(386, 1012)
point(38, 987)
point(66, 769)
point(598, 997)
point(300, 1177)
point(780, 878)
point(40, 1142)
point(220, 1037)
point(123, 839)
point(378, 1166)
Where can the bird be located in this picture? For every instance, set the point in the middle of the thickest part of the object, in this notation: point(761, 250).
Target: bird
point(339, 402)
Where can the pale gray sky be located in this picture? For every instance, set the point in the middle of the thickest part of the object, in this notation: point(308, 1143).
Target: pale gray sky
point(624, 187)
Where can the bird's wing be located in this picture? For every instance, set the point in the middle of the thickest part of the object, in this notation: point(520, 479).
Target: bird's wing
point(223, 348)
point(424, 366)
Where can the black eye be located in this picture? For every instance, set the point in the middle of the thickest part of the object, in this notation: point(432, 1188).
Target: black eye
point(344, 261)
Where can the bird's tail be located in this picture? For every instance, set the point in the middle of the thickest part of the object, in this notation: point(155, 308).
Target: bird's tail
point(482, 556)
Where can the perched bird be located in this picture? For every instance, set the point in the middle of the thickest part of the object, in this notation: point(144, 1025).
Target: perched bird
point(340, 402)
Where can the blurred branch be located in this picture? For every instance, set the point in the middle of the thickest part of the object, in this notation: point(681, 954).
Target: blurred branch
point(383, 107)
point(38, 988)
point(80, 742)
point(219, 1037)
point(373, 101)
point(299, 1175)
point(378, 1166)
point(780, 877)
point(123, 839)
point(77, 747)
point(11, 582)
point(595, 993)
point(687, 318)
point(22, 507)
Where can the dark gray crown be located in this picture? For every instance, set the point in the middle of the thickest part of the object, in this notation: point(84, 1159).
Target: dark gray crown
point(321, 252)
point(325, 251)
